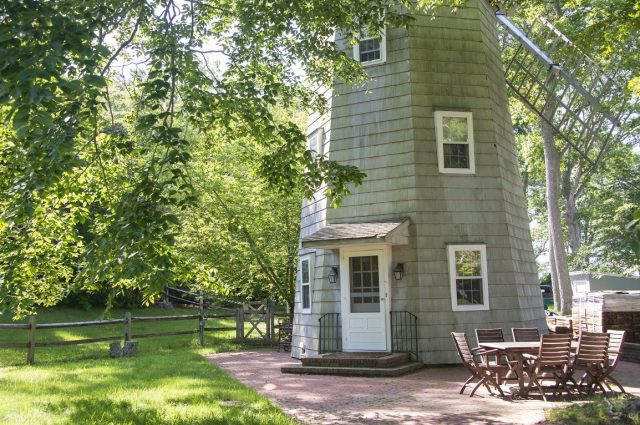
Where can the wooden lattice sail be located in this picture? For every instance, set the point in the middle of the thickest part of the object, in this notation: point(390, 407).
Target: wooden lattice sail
point(562, 85)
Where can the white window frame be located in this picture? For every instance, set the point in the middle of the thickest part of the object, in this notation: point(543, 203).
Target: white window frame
point(439, 115)
point(451, 256)
point(580, 284)
point(309, 259)
point(318, 135)
point(383, 49)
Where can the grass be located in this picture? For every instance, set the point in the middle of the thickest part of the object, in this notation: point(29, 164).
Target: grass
point(614, 411)
point(168, 382)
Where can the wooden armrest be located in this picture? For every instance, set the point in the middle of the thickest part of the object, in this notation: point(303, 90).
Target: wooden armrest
point(479, 351)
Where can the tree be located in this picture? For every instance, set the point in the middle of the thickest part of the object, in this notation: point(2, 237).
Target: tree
point(89, 190)
point(609, 201)
point(110, 187)
point(239, 232)
point(570, 164)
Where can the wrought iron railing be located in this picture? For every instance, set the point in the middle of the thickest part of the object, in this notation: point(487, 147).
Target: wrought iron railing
point(404, 333)
point(330, 333)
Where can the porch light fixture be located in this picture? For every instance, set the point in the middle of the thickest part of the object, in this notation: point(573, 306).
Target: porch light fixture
point(398, 272)
point(333, 275)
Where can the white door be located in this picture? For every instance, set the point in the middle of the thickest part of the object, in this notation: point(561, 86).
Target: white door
point(363, 287)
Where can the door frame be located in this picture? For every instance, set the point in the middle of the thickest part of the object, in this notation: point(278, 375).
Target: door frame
point(384, 251)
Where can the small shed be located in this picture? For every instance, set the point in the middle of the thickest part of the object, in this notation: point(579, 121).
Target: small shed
point(584, 282)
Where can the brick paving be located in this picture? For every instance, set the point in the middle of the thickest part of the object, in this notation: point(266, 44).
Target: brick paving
point(429, 396)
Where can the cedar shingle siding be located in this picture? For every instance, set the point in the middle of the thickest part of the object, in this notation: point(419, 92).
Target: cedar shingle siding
point(387, 129)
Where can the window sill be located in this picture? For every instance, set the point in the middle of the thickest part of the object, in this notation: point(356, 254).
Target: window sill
point(372, 63)
point(482, 307)
point(463, 171)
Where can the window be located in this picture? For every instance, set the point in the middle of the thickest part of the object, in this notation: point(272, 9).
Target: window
point(580, 286)
point(454, 134)
point(468, 277)
point(315, 142)
point(305, 283)
point(365, 284)
point(371, 50)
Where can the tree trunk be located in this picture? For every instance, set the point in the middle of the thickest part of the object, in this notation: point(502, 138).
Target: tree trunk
point(569, 182)
point(554, 274)
point(573, 226)
point(556, 240)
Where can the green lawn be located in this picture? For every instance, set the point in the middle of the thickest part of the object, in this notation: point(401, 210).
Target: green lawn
point(621, 410)
point(168, 382)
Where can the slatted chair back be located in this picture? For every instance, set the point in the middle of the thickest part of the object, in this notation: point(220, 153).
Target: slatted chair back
point(552, 362)
point(484, 372)
point(555, 350)
point(614, 350)
point(616, 341)
point(464, 350)
point(592, 349)
point(489, 335)
point(525, 334)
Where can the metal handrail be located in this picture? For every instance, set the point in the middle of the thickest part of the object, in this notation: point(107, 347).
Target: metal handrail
point(404, 333)
point(330, 338)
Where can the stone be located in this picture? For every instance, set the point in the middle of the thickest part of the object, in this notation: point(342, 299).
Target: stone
point(115, 350)
point(130, 348)
point(165, 305)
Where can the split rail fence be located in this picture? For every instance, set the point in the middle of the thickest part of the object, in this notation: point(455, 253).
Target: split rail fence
point(254, 322)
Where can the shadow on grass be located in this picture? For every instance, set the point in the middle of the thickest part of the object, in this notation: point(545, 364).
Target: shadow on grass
point(166, 387)
point(106, 411)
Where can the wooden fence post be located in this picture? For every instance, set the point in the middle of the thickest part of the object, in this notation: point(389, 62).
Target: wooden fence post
point(272, 321)
point(267, 335)
point(267, 321)
point(127, 326)
point(240, 324)
point(31, 350)
point(202, 319)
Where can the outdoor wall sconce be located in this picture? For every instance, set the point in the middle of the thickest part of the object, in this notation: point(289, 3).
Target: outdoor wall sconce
point(333, 275)
point(398, 272)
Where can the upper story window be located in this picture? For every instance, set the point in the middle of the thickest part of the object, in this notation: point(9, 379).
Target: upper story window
point(315, 142)
point(371, 50)
point(468, 277)
point(305, 283)
point(454, 134)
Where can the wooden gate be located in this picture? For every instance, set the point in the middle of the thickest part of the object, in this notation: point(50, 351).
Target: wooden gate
point(255, 322)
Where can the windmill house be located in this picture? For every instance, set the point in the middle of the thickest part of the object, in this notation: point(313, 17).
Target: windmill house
point(437, 238)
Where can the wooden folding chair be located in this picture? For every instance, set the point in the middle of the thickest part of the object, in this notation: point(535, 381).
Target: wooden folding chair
point(591, 358)
point(551, 363)
point(483, 370)
point(496, 335)
point(489, 335)
point(525, 334)
point(616, 341)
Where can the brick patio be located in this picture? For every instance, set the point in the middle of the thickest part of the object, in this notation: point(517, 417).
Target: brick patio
point(429, 396)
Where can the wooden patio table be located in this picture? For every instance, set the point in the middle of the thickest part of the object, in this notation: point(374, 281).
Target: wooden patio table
point(517, 350)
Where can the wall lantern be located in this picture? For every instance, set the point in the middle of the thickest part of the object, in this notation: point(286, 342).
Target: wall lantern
point(398, 272)
point(333, 275)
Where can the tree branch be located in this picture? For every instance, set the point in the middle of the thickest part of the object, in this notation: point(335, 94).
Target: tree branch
point(123, 46)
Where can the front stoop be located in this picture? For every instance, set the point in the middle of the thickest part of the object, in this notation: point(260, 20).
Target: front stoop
point(357, 364)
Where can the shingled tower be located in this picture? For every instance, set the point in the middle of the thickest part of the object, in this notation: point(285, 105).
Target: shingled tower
point(437, 237)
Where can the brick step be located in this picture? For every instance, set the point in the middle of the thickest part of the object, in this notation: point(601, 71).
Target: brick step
point(366, 360)
point(355, 371)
